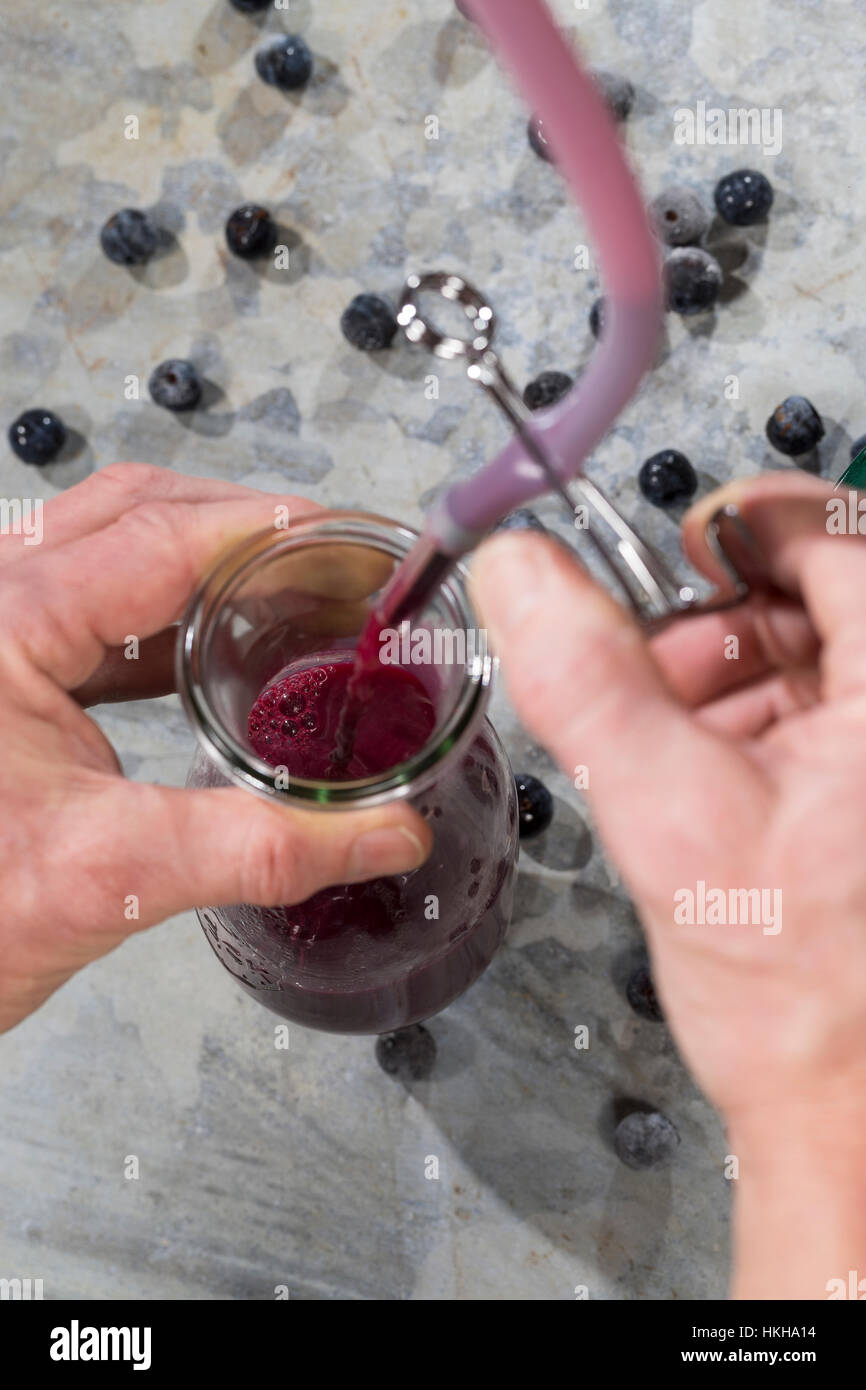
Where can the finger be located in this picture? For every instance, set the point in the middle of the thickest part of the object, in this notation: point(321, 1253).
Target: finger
point(706, 655)
point(108, 493)
point(135, 577)
point(750, 712)
point(788, 516)
point(150, 672)
point(176, 849)
point(121, 675)
point(775, 508)
point(578, 669)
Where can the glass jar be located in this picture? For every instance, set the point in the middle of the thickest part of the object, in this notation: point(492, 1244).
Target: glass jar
point(378, 956)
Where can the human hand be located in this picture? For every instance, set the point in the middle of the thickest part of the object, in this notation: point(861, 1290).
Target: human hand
point(121, 554)
point(743, 774)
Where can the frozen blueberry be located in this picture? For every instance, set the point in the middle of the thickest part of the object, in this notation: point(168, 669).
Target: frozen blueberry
point(679, 215)
point(408, 1054)
point(858, 446)
point(129, 237)
point(744, 197)
point(250, 231)
point(646, 1139)
point(666, 478)
point(286, 62)
point(37, 436)
point(693, 279)
point(617, 91)
point(547, 389)
point(795, 426)
point(596, 318)
point(538, 139)
point(369, 323)
point(522, 519)
point(251, 6)
point(641, 994)
point(534, 805)
point(175, 385)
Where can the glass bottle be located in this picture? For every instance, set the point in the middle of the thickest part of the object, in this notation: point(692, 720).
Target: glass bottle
point(374, 957)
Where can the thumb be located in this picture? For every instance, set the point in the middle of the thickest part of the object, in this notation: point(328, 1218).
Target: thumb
point(180, 849)
point(578, 668)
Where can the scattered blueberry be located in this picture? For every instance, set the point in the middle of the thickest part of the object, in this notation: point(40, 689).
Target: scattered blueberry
point(175, 385)
point(547, 389)
point(534, 805)
point(408, 1054)
point(251, 6)
point(538, 139)
point(617, 91)
point(522, 519)
point(795, 426)
point(250, 231)
point(369, 323)
point(693, 279)
point(744, 197)
point(129, 237)
point(679, 215)
point(646, 1139)
point(641, 994)
point(286, 62)
point(666, 478)
point(37, 436)
point(596, 318)
point(858, 446)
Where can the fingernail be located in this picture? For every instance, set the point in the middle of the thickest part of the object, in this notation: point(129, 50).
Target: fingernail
point(391, 851)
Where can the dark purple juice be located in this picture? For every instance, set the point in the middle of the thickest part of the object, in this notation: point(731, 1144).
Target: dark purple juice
point(372, 957)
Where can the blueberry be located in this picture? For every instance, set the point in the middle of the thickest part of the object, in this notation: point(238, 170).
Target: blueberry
point(408, 1054)
point(129, 237)
point(369, 323)
point(795, 426)
point(666, 478)
point(175, 385)
point(679, 215)
point(693, 279)
point(646, 1139)
point(547, 389)
point(37, 436)
point(534, 805)
point(286, 62)
point(250, 231)
point(251, 6)
point(522, 519)
point(641, 994)
point(596, 317)
point(617, 91)
point(858, 446)
point(538, 139)
point(744, 197)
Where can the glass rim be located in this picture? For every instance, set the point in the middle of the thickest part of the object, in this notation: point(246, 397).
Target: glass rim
point(242, 766)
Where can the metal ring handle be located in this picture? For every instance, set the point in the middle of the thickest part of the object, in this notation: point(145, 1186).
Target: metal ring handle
point(458, 291)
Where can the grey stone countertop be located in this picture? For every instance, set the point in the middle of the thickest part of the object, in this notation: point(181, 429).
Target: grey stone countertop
point(305, 1168)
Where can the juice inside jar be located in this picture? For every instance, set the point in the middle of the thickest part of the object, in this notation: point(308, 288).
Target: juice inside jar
point(370, 957)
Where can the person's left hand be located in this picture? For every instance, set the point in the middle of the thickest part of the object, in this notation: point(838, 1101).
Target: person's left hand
point(121, 554)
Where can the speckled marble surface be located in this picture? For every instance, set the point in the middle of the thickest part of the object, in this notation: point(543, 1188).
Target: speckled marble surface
point(306, 1168)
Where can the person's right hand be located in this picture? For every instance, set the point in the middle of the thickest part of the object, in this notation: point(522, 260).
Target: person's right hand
point(744, 774)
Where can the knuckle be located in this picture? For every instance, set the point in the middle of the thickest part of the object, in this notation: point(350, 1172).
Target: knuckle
point(153, 522)
point(270, 871)
point(130, 479)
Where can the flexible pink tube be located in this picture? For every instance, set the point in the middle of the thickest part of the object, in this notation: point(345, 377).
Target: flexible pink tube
point(587, 151)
